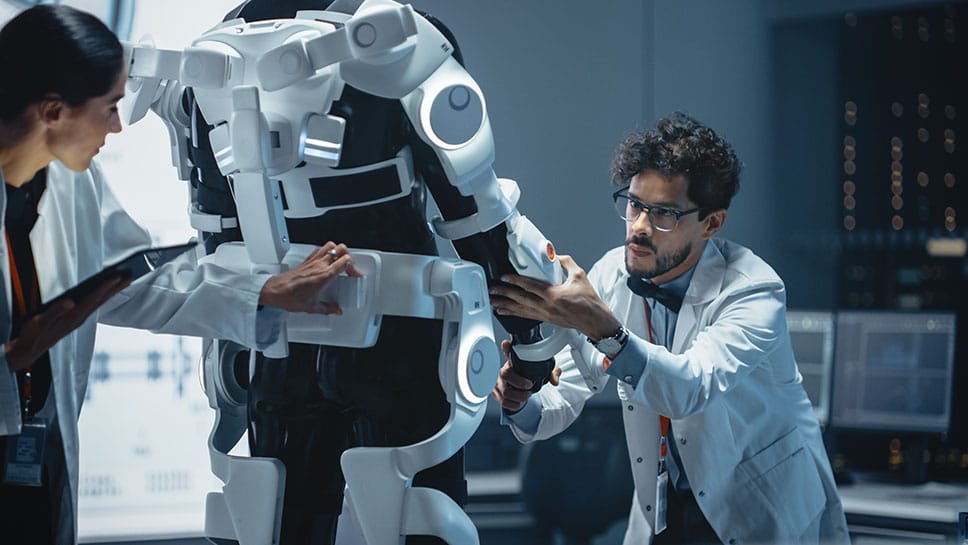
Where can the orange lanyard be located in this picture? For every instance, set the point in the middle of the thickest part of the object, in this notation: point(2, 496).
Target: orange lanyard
point(18, 292)
point(663, 420)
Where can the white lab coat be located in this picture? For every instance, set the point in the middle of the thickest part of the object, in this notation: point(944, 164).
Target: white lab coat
point(80, 228)
point(746, 433)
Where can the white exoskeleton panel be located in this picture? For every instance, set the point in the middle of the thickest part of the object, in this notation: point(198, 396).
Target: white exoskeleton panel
point(268, 88)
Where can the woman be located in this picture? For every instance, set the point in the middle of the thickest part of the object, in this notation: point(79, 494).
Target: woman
point(61, 77)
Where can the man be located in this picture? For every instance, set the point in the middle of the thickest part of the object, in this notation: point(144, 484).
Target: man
point(720, 432)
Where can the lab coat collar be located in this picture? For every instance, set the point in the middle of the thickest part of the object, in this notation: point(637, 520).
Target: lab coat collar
point(707, 281)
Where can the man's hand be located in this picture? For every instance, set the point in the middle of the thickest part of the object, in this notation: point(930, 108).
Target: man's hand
point(573, 304)
point(512, 390)
point(298, 289)
point(42, 331)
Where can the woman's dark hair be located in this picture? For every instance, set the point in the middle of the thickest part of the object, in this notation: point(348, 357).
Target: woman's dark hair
point(55, 51)
point(681, 145)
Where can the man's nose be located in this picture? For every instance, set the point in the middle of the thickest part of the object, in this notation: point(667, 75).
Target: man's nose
point(642, 224)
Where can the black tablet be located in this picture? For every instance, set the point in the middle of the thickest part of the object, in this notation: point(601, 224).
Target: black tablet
point(134, 266)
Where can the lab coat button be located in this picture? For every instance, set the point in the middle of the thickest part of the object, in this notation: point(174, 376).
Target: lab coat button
point(638, 460)
point(702, 493)
point(630, 407)
point(682, 441)
point(628, 379)
point(732, 542)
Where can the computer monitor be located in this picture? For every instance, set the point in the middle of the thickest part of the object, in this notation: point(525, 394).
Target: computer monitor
point(893, 371)
point(812, 336)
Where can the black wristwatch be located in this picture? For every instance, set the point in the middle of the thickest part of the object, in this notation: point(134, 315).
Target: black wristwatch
point(611, 346)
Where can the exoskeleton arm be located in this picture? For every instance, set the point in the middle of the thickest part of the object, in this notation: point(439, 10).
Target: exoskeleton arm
point(454, 152)
point(479, 211)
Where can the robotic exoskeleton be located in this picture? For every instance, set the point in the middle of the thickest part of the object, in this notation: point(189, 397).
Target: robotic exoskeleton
point(297, 124)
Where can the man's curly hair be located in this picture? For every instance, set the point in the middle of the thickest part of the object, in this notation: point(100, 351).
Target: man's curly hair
point(681, 145)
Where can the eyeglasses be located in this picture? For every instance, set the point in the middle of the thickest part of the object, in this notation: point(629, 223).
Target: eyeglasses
point(660, 217)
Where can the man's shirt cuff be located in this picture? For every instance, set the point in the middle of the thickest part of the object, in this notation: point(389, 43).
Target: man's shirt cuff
point(629, 365)
point(526, 419)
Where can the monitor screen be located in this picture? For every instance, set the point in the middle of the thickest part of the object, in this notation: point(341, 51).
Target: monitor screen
point(812, 336)
point(893, 371)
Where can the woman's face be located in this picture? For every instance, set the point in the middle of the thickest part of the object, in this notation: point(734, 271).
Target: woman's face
point(81, 134)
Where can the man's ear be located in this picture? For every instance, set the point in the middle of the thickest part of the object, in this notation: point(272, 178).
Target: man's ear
point(51, 111)
point(713, 223)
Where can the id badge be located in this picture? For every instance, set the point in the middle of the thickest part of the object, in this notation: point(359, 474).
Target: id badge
point(661, 501)
point(24, 460)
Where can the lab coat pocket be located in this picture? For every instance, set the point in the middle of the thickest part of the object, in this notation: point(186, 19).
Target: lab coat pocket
point(783, 485)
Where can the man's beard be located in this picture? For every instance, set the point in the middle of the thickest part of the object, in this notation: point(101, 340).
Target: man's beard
point(663, 263)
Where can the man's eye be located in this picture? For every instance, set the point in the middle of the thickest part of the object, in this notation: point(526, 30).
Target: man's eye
point(664, 212)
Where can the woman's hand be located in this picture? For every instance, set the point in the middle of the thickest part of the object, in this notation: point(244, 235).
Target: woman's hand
point(42, 331)
point(298, 289)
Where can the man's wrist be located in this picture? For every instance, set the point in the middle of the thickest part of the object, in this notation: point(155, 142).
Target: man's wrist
point(605, 328)
point(612, 344)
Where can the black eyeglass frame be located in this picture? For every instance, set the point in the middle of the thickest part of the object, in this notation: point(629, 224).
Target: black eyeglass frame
point(648, 209)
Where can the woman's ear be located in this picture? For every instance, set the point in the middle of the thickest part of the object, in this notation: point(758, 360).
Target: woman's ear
point(51, 111)
point(714, 222)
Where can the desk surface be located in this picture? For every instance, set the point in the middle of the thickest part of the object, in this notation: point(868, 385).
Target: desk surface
point(493, 483)
point(933, 502)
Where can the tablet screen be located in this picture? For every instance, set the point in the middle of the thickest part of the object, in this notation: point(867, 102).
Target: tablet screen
point(133, 266)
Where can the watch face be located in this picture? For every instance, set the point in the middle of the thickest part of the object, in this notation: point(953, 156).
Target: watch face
point(609, 346)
